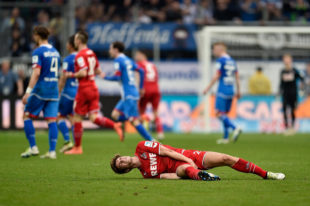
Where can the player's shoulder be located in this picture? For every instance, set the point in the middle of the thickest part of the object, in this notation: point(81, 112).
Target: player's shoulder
point(70, 57)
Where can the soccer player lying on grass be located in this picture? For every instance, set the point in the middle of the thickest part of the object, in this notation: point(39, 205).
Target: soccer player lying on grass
point(155, 160)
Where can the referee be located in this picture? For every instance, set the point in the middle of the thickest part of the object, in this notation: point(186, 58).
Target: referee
point(289, 78)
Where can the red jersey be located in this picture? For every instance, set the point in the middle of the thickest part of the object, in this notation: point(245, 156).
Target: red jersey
point(153, 165)
point(150, 76)
point(86, 59)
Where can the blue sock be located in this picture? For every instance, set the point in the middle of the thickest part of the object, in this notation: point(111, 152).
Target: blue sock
point(62, 126)
point(227, 121)
point(30, 132)
point(52, 135)
point(122, 118)
point(144, 133)
point(226, 131)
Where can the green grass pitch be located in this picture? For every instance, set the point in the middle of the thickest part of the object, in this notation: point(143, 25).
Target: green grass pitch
point(88, 180)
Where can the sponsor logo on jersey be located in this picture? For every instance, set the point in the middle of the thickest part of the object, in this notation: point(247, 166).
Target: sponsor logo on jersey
point(51, 54)
point(35, 59)
point(153, 164)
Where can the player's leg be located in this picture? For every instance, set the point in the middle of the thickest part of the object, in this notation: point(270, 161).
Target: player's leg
point(142, 104)
point(32, 110)
point(50, 111)
point(65, 109)
point(107, 123)
point(130, 109)
point(187, 171)
point(118, 113)
point(215, 159)
point(80, 107)
point(293, 105)
point(159, 127)
point(285, 108)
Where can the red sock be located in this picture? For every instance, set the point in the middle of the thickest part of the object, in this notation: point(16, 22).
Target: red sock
point(159, 126)
point(248, 167)
point(104, 122)
point(192, 173)
point(78, 132)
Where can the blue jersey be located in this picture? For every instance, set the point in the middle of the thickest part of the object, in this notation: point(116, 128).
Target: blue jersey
point(71, 85)
point(47, 58)
point(125, 67)
point(227, 68)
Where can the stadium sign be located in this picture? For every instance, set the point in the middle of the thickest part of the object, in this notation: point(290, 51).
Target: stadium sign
point(270, 40)
point(167, 35)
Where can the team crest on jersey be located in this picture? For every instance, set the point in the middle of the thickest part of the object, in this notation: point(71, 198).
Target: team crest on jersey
point(144, 156)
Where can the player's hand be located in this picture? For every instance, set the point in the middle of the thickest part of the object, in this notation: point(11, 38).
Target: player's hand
point(68, 74)
point(142, 92)
point(205, 92)
point(238, 95)
point(102, 75)
point(192, 163)
point(25, 98)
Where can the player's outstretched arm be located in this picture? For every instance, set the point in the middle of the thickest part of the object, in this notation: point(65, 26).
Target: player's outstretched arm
point(33, 80)
point(164, 151)
point(115, 77)
point(169, 176)
point(238, 94)
point(79, 74)
point(214, 79)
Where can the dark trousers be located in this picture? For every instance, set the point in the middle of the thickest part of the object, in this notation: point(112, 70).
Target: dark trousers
point(289, 103)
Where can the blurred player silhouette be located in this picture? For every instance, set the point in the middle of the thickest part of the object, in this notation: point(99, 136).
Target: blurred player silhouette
point(227, 75)
point(42, 92)
point(151, 93)
point(289, 78)
point(67, 90)
point(87, 97)
point(155, 160)
point(127, 107)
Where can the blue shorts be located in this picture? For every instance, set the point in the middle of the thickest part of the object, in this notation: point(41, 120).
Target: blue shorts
point(35, 105)
point(65, 106)
point(223, 104)
point(129, 108)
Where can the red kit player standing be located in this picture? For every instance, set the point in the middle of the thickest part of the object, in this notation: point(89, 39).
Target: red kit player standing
point(155, 160)
point(87, 98)
point(151, 90)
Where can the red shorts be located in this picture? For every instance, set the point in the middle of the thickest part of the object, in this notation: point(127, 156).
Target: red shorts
point(196, 155)
point(153, 98)
point(86, 101)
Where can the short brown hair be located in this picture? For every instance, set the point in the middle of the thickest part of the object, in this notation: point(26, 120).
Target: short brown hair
point(119, 46)
point(116, 169)
point(83, 36)
point(71, 42)
point(220, 44)
point(41, 31)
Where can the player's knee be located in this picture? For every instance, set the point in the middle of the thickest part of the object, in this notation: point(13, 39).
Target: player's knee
point(115, 114)
point(26, 116)
point(135, 121)
point(93, 117)
point(228, 160)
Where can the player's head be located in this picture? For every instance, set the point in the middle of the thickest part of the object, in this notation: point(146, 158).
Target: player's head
point(219, 48)
point(116, 48)
point(140, 56)
point(287, 60)
point(80, 38)
point(259, 69)
point(40, 33)
point(121, 164)
point(5, 66)
point(70, 44)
